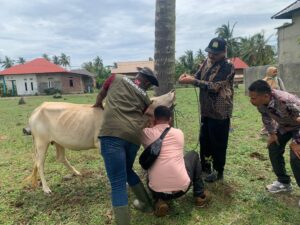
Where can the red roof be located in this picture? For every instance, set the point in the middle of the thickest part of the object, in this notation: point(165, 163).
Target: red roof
point(238, 63)
point(39, 65)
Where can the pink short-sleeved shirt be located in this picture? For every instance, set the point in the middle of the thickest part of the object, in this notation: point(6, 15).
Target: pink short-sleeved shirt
point(168, 174)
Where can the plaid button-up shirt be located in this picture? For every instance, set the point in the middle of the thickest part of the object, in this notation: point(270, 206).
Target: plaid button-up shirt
point(284, 108)
point(216, 89)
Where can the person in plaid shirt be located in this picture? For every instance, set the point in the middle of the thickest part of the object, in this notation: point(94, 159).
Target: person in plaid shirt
point(215, 80)
point(284, 108)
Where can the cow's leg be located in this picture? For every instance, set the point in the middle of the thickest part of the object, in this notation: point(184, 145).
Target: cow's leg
point(33, 179)
point(61, 157)
point(97, 142)
point(41, 149)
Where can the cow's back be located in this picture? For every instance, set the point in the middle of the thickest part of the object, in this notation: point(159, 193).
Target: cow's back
point(73, 126)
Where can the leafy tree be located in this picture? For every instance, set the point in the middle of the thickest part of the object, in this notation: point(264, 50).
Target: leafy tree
point(189, 62)
point(64, 60)
point(55, 60)
point(226, 32)
point(255, 51)
point(7, 62)
point(45, 56)
point(200, 57)
point(21, 60)
point(96, 67)
point(179, 69)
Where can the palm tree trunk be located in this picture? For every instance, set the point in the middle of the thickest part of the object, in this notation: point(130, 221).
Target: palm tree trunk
point(164, 56)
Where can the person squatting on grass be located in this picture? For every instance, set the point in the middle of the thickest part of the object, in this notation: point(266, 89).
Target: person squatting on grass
point(120, 136)
point(284, 108)
point(215, 80)
point(173, 173)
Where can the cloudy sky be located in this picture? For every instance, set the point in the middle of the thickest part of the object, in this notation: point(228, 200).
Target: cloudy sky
point(122, 30)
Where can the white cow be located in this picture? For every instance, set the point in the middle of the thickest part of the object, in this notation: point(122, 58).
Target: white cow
point(72, 126)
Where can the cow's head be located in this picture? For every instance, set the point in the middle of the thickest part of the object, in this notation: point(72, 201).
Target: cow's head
point(165, 100)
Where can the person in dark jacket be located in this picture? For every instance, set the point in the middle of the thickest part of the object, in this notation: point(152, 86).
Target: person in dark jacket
point(215, 80)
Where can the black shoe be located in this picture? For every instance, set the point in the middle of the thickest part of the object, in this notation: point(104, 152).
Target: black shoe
point(206, 168)
point(214, 176)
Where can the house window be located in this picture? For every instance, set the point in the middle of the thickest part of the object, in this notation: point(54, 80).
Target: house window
point(71, 82)
point(31, 86)
point(26, 89)
point(50, 82)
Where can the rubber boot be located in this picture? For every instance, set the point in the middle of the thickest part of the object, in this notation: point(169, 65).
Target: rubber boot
point(143, 201)
point(122, 215)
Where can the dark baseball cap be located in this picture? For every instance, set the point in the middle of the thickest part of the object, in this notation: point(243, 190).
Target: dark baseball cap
point(149, 74)
point(216, 46)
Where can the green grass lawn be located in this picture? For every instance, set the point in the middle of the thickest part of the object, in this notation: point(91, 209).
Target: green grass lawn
point(240, 200)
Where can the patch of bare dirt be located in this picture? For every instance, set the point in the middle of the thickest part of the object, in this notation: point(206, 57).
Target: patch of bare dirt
point(257, 155)
point(3, 137)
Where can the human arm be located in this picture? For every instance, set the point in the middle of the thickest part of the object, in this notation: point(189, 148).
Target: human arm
point(293, 108)
point(281, 84)
point(103, 92)
point(270, 126)
point(186, 79)
point(222, 78)
point(295, 147)
point(148, 137)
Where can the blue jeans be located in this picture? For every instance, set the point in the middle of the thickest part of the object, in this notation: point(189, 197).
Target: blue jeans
point(119, 156)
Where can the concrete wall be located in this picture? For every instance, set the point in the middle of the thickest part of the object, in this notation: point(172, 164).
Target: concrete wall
point(72, 84)
point(289, 73)
point(291, 77)
point(288, 46)
point(88, 83)
point(31, 84)
point(48, 81)
point(26, 84)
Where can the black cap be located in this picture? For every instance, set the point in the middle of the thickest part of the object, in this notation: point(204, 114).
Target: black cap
point(216, 46)
point(149, 74)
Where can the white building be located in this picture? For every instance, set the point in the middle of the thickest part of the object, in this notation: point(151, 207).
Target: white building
point(38, 75)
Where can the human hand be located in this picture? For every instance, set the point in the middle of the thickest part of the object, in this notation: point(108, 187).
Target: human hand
point(272, 138)
point(298, 119)
point(98, 105)
point(186, 79)
point(295, 148)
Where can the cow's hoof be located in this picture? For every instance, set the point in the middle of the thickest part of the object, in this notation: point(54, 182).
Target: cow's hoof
point(77, 174)
point(47, 191)
point(68, 177)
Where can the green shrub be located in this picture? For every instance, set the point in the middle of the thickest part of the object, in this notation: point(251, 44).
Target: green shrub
point(52, 91)
point(57, 95)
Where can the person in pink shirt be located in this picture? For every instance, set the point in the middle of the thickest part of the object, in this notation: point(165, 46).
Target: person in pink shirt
point(173, 173)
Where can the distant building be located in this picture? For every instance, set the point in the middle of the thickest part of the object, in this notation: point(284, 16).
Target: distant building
point(129, 68)
point(38, 75)
point(239, 66)
point(289, 34)
point(88, 79)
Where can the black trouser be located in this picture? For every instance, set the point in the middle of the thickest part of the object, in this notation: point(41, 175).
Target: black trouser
point(277, 160)
point(193, 168)
point(213, 142)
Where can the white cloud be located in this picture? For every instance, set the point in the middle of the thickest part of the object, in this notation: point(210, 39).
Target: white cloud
point(122, 30)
